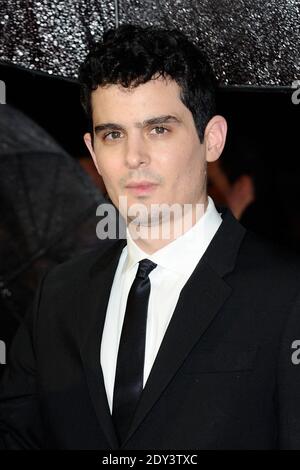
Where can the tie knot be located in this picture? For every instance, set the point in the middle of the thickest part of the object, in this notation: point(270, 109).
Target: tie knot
point(145, 268)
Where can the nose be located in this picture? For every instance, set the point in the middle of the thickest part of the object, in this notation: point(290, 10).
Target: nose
point(136, 152)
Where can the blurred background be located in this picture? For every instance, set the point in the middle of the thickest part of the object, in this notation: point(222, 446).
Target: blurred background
point(49, 188)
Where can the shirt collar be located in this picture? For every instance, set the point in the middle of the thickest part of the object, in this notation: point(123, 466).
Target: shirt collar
point(184, 252)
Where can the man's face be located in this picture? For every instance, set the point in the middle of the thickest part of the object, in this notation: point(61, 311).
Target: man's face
point(146, 146)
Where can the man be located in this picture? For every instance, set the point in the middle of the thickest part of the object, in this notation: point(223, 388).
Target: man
point(177, 342)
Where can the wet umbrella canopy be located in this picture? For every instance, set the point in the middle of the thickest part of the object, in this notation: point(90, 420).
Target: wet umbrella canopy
point(47, 211)
point(249, 42)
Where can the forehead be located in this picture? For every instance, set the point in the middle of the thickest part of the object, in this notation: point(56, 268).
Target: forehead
point(155, 97)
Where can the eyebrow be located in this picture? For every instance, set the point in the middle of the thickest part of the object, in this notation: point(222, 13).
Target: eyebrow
point(148, 122)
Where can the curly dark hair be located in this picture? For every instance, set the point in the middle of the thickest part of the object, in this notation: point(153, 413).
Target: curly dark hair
point(132, 55)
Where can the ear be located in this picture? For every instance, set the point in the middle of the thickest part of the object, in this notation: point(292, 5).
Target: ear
point(89, 143)
point(215, 137)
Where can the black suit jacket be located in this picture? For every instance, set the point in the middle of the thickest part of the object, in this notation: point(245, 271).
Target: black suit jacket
point(224, 376)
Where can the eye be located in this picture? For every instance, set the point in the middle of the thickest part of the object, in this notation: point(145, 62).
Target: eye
point(159, 130)
point(113, 135)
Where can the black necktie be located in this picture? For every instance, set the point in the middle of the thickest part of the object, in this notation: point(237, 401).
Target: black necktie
point(130, 362)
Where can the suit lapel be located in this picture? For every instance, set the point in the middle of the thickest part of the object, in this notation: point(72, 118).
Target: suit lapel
point(94, 297)
point(199, 302)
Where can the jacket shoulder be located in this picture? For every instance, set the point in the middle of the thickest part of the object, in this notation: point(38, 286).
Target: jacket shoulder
point(268, 268)
point(79, 266)
point(263, 254)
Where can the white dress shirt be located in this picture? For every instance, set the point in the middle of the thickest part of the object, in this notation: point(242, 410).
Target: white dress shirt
point(175, 264)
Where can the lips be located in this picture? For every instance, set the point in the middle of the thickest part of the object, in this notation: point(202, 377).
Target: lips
point(141, 184)
point(141, 187)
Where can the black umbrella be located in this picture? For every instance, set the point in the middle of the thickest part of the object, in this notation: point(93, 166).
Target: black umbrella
point(250, 42)
point(47, 211)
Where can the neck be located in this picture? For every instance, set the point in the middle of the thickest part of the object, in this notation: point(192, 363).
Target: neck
point(151, 238)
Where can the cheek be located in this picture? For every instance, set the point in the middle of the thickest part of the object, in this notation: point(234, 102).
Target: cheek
point(189, 179)
point(189, 170)
point(111, 182)
point(108, 168)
